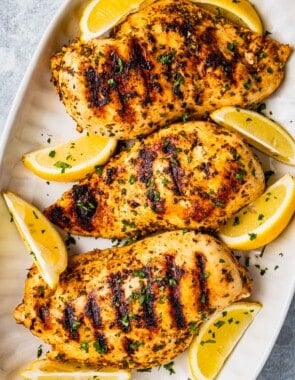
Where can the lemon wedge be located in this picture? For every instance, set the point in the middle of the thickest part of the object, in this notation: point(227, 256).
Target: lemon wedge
point(42, 240)
point(72, 160)
point(263, 133)
point(241, 12)
point(101, 15)
point(264, 219)
point(45, 369)
point(217, 337)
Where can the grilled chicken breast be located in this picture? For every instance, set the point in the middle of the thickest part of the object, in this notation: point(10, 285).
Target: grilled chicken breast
point(192, 175)
point(136, 306)
point(169, 60)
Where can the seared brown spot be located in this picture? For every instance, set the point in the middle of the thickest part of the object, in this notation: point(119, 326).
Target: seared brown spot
point(205, 167)
point(216, 59)
point(173, 277)
point(202, 275)
point(110, 175)
point(156, 202)
point(92, 310)
point(56, 215)
point(202, 210)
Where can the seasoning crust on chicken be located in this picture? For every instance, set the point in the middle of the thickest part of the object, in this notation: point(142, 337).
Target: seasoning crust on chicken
point(191, 175)
point(136, 306)
point(169, 60)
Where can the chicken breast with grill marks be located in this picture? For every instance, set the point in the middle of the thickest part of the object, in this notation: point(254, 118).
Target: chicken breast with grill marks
point(136, 306)
point(169, 60)
point(192, 175)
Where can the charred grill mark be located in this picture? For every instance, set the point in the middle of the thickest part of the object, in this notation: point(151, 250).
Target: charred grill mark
point(110, 79)
point(116, 79)
point(173, 277)
point(148, 306)
point(92, 310)
point(201, 268)
point(71, 324)
point(85, 205)
point(113, 76)
point(208, 37)
point(176, 174)
point(100, 344)
point(145, 164)
point(98, 89)
point(175, 170)
point(119, 302)
point(140, 62)
point(44, 314)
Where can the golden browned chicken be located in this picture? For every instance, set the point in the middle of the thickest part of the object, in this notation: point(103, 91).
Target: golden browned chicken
point(170, 60)
point(136, 306)
point(192, 175)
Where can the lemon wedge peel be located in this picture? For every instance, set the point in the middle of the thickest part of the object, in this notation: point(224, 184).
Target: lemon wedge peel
point(42, 240)
point(261, 132)
point(72, 160)
point(99, 16)
point(47, 369)
point(263, 220)
point(217, 338)
point(241, 12)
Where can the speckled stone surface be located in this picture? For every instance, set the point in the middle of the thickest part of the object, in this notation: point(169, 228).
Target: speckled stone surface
point(22, 23)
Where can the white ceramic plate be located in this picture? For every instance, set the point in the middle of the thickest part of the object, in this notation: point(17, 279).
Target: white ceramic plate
point(37, 116)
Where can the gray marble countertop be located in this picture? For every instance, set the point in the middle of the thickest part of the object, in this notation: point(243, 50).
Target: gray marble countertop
point(22, 23)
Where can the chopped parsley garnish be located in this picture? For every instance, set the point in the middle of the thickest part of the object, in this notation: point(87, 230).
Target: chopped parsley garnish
point(232, 46)
point(167, 58)
point(252, 236)
point(132, 179)
point(100, 347)
point(84, 346)
point(169, 367)
point(62, 165)
point(39, 351)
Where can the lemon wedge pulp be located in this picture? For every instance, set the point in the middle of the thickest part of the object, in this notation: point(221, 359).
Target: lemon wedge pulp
point(45, 369)
point(263, 133)
point(217, 337)
point(40, 237)
point(101, 15)
point(72, 160)
point(264, 219)
point(241, 12)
